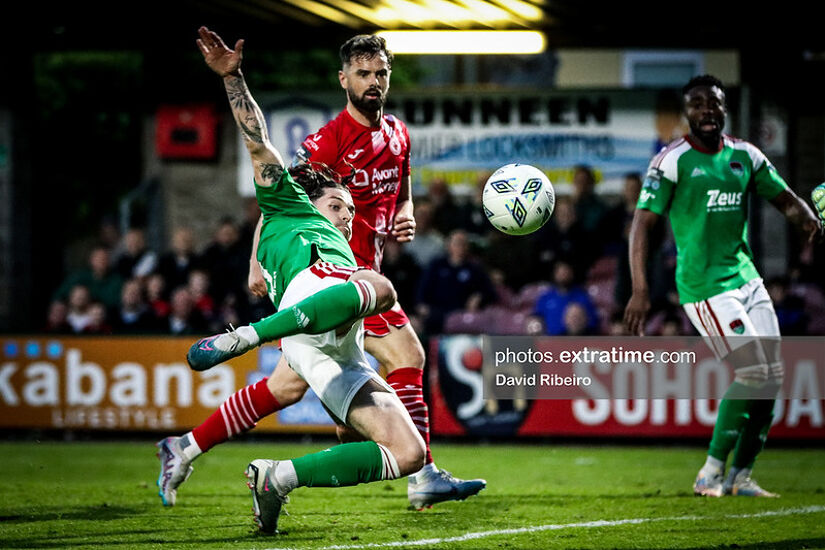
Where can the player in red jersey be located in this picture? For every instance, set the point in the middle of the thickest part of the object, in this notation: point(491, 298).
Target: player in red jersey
point(377, 147)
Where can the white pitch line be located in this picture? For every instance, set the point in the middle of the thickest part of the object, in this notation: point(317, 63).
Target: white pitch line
point(559, 526)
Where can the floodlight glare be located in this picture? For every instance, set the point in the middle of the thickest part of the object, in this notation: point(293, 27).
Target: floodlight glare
point(464, 42)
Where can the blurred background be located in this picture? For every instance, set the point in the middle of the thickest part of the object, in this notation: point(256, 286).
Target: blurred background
point(126, 203)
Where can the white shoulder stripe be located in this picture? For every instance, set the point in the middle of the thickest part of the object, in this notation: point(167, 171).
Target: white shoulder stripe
point(757, 157)
point(669, 158)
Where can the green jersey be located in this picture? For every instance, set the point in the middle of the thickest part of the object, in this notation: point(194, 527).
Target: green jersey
point(704, 193)
point(294, 235)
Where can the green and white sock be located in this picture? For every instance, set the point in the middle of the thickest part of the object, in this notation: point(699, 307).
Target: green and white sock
point(732, 416)
point(754, 434)
point(345, 465)
point(321, 312)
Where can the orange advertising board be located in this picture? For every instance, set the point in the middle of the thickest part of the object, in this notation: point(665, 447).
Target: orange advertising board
point(118, 383)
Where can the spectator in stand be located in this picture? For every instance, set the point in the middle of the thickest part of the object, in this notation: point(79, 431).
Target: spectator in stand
point(133, 316)
point(562, 238)
point(475, 222)
point(428, 243)
point(514, 257)
point(56, 319)
point(590, 209)
point(184, 319)
point(551, 305)
point(790, 308)
point(198, 286)
point(453, 282)
point(400, 267)
point(103, 284)
point(671, 324)
point(446, 212)
point(136, 260)
point(156, 296)
point(227, 261)
point(616, 325)
point(180, 259)
point(576, 321)
point(616, 222)
point(251, 215)
point(78, 315)
point(468, 214)
point(109, 233)
point(98, 322)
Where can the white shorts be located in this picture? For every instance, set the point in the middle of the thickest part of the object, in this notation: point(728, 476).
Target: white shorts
point(733, 318)
point(335, 367)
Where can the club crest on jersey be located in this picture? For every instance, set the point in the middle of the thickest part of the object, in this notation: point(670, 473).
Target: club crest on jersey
point(395, 145)
point(737, 168)
point(737, 326)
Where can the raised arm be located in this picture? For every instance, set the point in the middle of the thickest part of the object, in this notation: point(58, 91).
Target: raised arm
point(799, 213)
point(638, 306)
point(266, 160)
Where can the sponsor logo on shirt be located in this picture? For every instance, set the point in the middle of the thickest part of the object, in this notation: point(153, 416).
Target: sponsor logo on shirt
point(724, 201)
point(698, 171)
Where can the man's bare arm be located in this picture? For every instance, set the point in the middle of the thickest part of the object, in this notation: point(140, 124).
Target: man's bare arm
point(799, 213)
point(638, 306)
point(255, 279)
point(250, 120)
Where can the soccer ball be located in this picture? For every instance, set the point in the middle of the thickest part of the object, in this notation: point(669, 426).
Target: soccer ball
point(518, 199)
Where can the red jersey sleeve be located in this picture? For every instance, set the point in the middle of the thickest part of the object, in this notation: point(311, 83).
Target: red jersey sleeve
point(321, 146)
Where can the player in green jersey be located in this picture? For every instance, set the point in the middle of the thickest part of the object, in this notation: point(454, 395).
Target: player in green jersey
point(312, 278)
point(701, 182)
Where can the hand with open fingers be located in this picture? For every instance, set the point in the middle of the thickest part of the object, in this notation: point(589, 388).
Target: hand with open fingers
point(217, 55)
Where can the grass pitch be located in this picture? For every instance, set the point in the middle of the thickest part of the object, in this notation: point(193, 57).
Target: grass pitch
point(103, 495)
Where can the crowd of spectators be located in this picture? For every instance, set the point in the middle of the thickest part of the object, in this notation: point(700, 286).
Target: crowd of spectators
point(459, 275)
point(127, 288)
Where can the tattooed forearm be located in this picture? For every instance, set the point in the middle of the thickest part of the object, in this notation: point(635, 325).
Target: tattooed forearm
point(247, 114)
point(271, 172)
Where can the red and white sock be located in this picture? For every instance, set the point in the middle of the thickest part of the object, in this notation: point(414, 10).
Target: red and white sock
point(407, 383)
point(239, 413)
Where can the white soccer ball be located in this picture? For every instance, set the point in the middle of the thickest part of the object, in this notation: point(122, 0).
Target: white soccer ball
point(518, 199)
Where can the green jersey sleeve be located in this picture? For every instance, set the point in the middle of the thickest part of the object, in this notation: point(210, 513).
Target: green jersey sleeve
point(658, 187)
point(766, 179)
point(285, 196)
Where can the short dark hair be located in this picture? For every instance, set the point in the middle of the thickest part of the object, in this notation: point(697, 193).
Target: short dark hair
point(315, 177)
point(364, 46)
point(703, 80)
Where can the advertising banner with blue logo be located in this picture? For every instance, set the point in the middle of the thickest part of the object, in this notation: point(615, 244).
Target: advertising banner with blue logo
point(132, 383)
point(463, 136)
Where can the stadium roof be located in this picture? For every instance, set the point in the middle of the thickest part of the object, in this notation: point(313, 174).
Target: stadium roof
point(156, 24)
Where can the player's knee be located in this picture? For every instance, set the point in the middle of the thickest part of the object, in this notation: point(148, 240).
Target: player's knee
point(777, 373)
point(285, 392)
point(754, 376)
point(385, 295)
point(410, 456)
